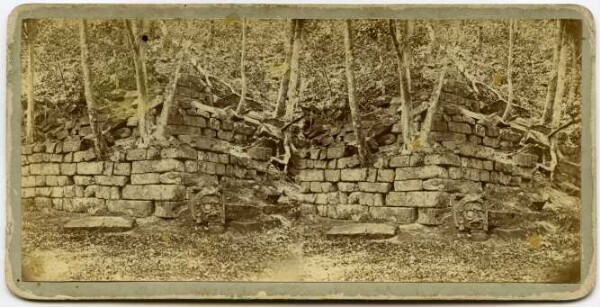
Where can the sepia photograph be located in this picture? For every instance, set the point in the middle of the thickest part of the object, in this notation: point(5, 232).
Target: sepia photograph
point(301, 150)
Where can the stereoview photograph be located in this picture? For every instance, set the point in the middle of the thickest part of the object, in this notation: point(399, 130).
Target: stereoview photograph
point(303, 150)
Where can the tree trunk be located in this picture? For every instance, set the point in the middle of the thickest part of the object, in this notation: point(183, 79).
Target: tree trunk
point(508, 108)
point(29, 130)
point(294, 75)
point(432, 110)
point(240, 106)
point(407, 56)
point(548, 106)
point(403, 81)
point(560, 83)
point(574, 70)
point(363, 153)
point(285, 80)
point(99, 144)
point(169, 93)
point(138, 60)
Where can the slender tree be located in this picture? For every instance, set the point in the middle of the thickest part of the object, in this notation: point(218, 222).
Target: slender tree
point(285, 79)
point(137, 45)
point(551, 91)
point(170, 90)
point(242, 102)
point(29, 29)
point(294, 71)
point(99, 143)
point(557, 106)
point(574, 42)
point(363, 152)
point(509, 106)
point(432, 109)
point(403, 64)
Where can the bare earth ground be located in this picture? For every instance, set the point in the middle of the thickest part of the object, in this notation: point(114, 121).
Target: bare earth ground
point(179, 250)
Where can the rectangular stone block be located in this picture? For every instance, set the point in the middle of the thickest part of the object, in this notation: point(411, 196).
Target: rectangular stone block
point(347, 186)
point(386, 175)
point(43, 191)
point(211, 133)
point(443, 136)
point(400, 161)
point(366, 199)
point(216, 145)
point(375, 187)
point(122, 169)
point(421, 172)
point(104, 192)
point(504, 167)
point(83, 180)
point(27, 181)
point(73, 191)
point(311, 175)
point(154, 192)
point(90, 168)
point(85, 205)
point(45, 169)
point(474, 139)
point(225, 135)
point(68, 168)
point(442, 159)
point(452, 185)
point(322, 187)
point(157, 166)
point(182, 153)
point(54, 181)
point(35, 158)
point(335, 152)
point(196, 121)
point(71, 146)
point(476, 151)
point(397, 215)
point(408, 185)
point(111, 180)
point(347, 212)
point(145, 178)
point(357, 174)
point(136, 208)
point(417, 199)
point(459, 127)
point(175, 178)
point(332, 175)
point(27, 192)
point(319, 164)
point(182, 129)
point(491, 142)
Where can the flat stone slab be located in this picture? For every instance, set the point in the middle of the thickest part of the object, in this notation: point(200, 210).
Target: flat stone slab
point(102, 223)
point(368, 230)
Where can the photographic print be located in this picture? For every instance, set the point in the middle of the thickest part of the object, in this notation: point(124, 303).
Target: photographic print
point(301, 150)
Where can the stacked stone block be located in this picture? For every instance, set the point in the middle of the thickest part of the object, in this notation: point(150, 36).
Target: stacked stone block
point(137, 182)
point(405, 188)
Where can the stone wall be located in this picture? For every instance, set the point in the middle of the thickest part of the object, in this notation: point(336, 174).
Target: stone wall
point(137, 182)
point(467, 157)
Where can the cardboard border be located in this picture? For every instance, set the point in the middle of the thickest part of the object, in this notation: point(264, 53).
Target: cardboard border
point(298, 290)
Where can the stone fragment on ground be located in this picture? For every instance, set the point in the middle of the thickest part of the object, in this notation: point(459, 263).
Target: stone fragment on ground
point(150, 220)
point(367, 230)
point(103, 223)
